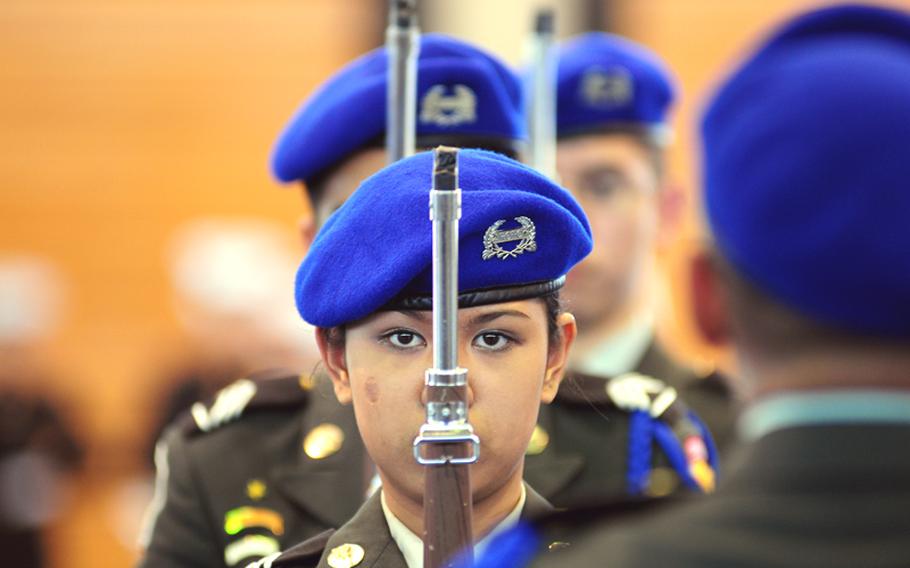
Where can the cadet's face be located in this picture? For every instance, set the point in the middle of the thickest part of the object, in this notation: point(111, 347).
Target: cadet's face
point(615, 183)
point(510, 371)
point(346, 178)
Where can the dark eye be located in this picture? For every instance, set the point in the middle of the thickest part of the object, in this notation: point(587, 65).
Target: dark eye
point(491, 341)
point(603, 184)
point(405, 339)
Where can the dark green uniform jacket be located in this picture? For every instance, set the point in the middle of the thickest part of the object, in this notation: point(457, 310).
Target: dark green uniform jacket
point(369, 531)
point(276, 460)
point(807, 497)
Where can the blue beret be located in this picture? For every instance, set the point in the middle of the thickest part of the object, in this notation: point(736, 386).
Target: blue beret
point(517, 228)
point(806, 168)
point(605, 81)
point(461, 91)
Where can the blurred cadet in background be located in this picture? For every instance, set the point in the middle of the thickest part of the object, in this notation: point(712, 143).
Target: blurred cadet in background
point(229, 278)
point(37, 447)
point(612, 101)
point(235, 488)
point(805, 171)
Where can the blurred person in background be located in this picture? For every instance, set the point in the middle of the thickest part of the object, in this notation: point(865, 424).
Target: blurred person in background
point(805, 185)
point(229, 279)
point(612, 104)
point(37, 446)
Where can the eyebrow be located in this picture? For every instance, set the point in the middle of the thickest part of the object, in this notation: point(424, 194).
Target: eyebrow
point(419, 315)
point(490, 316)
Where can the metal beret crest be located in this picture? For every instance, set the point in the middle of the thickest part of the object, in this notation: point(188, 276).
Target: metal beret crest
point(526, 234)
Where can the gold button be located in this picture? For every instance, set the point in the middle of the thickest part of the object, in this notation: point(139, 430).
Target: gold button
point(307, 381)
point(539, 441)
point(323, 441)
point(662, 482)
point(255, 489)
point(345, 556)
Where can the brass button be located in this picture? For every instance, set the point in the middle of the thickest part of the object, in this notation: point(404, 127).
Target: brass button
point(323, 441)
point(662, 482)
point(539, 441)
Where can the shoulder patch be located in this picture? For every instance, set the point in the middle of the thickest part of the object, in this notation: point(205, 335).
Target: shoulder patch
point(260, 391)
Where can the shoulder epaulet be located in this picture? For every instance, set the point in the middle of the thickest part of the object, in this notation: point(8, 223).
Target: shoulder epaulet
point(307, 553)
point(628, 392)
point(264, 390)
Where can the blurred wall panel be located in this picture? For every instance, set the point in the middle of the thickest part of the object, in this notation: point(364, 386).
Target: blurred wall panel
point(118, 120)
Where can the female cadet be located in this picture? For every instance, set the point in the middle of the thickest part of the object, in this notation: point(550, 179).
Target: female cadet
point(365, 285)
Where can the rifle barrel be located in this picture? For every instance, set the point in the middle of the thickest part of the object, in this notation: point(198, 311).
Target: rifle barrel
point(542, 100)
point(402, 46)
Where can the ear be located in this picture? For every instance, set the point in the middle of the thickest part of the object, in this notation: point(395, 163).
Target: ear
point(306, 227)
point(709, 300)
point(671, 204)
point(558, 356)
point(335, 365)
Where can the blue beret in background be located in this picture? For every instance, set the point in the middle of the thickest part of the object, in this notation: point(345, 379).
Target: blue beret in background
point(605, 81)
point(461, 90)
point(807, 168)
point(378, 245)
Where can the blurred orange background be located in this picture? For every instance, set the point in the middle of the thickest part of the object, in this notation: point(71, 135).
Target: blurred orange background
point(122, 119)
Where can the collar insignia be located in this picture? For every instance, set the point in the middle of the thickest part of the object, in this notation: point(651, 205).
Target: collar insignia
point(345, 556)
point(441, 110)
point(607, 88)
point(526, 234)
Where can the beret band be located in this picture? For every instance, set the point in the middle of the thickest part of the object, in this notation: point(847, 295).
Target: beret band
point(474, 298)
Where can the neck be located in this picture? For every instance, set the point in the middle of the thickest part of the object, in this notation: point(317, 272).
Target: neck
point(832, 371)
point(592, 338)
point(487, 512)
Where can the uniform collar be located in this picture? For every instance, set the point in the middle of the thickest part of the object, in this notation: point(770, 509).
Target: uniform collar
point(816, 408)
point(622, 351)
point(411, 545)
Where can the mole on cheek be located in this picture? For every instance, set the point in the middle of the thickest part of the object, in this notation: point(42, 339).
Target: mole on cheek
point(371, 387)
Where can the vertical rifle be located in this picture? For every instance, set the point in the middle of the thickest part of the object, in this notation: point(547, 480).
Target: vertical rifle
point(402, 46)
point(541, 102)
point(446, 444)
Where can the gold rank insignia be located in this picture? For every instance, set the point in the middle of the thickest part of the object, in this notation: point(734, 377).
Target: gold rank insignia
point(236, 520)
point(346, 556)
point(255, 489)
point(539, 441)
point(323, 441)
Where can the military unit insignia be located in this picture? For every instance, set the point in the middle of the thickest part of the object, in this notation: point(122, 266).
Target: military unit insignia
point(607, 88)
point(323, 441)
point(526, 234)
point(539, 441)
point(229, 404)
point(242, 518)
point(441, 110)
point(252, 546)
point(256, 489)
point(346, 556)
